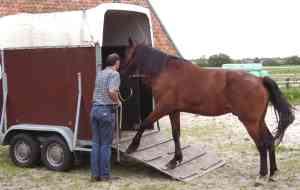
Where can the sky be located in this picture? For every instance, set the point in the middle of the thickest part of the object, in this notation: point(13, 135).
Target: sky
point(239, 28)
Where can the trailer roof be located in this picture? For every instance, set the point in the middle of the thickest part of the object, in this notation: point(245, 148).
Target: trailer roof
point(72, 28)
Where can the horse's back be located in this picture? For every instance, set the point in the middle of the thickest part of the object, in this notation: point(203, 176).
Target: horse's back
point(195, 89)
point(214, 91)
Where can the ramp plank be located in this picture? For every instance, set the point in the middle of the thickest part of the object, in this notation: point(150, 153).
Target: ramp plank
point(156, 150)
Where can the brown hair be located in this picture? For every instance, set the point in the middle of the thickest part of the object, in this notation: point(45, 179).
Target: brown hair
point(112, 59)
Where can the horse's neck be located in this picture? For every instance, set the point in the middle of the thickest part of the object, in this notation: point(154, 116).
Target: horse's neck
point(148, 81)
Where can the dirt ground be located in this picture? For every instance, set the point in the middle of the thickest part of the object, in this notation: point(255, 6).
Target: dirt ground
point(224, 134)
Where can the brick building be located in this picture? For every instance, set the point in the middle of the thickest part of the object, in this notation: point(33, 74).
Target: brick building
point(161, 36)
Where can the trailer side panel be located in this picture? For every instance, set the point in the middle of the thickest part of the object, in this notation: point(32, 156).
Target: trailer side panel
point(42, 86)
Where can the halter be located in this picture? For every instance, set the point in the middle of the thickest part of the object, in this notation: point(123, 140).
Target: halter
point(138, 76)
point(125, 99)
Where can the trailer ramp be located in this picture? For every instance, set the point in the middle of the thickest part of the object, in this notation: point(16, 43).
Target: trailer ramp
point(156, 150)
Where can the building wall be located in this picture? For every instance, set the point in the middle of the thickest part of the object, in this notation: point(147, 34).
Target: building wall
point(161, 37)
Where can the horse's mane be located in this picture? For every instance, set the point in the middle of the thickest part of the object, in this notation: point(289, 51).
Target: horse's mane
point(152, 61)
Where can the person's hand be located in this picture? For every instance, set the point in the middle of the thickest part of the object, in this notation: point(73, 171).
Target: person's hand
point(119, 103)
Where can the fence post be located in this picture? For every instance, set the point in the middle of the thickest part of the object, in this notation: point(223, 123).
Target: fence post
point(287, 82)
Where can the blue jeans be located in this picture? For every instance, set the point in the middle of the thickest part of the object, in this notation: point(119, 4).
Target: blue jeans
point(103, 123)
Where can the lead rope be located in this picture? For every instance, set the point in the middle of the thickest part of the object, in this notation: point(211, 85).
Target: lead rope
point(268, 165)
point(125, 99)
point(119, 118)
point(119, 128)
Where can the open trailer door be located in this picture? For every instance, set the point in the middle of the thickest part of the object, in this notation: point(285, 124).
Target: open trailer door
point(1, 95)
point(118, 27)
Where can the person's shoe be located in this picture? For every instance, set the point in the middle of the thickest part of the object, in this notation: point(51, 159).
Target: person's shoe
point(95, 179)
point(109, 178)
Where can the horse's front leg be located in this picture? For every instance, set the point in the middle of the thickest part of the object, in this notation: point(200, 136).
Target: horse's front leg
point(175, 122)
point(152, 117)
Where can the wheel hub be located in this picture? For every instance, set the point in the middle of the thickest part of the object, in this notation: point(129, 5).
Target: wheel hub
point(55, 155)
point(22, 152)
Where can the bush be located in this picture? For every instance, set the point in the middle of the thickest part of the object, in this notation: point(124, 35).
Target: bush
point(294, 60)
point(201, 61)
point(218, 60)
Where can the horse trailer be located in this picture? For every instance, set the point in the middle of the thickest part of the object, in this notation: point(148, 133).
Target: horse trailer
point(49, 64)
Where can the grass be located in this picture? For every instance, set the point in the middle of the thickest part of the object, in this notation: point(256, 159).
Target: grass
point(134, 176)
point(287, 70)
point(293, 95)
point(5, 163)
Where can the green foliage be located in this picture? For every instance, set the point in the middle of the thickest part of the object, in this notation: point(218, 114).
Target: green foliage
point(201, 61)
point(293, 95)
point(294, 60)
point(218, 60)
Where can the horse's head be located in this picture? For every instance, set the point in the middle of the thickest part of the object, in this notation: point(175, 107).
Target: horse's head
point(129, 65)
point(143, 61)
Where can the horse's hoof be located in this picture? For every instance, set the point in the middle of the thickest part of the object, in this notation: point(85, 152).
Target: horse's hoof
point(132, 148)
point(278, 140)
point(261, 180)
point(274, 177)
point(179, 160)
point(171, 165)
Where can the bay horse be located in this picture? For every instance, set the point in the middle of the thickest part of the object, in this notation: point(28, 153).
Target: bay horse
point(180, 86)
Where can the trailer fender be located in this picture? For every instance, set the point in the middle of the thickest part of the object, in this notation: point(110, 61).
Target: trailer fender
point(65, 132)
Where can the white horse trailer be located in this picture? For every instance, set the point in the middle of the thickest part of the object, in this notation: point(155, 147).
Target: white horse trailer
point(49, 64)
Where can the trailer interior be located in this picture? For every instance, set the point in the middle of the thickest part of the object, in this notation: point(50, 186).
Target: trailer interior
point(118, 27)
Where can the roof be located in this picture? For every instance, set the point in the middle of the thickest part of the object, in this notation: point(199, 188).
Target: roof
point(72, 28)
point(162, 40)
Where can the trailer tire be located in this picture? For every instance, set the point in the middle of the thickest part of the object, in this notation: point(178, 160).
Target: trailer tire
point(56, 154)
point(24, 150)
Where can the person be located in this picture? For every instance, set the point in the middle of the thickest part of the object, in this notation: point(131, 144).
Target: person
point(105, 101)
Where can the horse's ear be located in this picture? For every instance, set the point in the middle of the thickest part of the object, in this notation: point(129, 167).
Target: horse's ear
point(130, 42)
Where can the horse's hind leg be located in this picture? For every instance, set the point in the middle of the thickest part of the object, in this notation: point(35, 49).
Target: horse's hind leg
point(253, 128)
point(175, 122)
point(269, 141)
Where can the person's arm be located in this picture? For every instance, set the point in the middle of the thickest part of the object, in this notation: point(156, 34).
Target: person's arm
point(113, 88)
point(114, 96)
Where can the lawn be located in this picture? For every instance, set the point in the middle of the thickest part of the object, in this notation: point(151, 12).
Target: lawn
point(293, 95)
point(287, 69)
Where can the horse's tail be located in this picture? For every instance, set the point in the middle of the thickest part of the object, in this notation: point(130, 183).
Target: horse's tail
point(283, 110)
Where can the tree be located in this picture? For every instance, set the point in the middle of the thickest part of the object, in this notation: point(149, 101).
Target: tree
point(201, 61)
point(218, 60)
point(294, 60)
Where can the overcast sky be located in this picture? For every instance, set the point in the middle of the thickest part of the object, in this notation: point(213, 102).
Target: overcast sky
point(239, 28)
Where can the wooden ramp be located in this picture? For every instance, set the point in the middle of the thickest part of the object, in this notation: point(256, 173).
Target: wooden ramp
point(156, 150)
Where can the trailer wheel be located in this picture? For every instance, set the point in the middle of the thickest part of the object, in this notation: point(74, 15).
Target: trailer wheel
point(56, 154)
point(24, 150)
